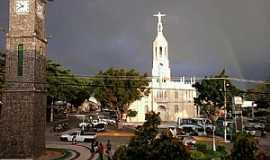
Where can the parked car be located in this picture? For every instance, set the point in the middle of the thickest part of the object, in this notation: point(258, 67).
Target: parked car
point(255, 124)
point(192, 130)
point(107, 119)
point(220, 128)
point(250, 130)
point(203, 122)
point(98, 125)
point(60, 127)
point(79, 136)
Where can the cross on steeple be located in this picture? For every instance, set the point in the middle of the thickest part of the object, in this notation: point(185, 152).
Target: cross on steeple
point(159, 15)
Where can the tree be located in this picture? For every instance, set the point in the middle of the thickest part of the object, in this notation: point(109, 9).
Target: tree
point(211, 93)
point(131, 113)
point(245, 147)
point(260, 94)
point(64, 86)
point(148, 143)
point(118, 88)
point(211, 97)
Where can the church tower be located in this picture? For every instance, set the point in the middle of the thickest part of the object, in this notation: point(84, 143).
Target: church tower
point(22, 117)
point(161, 70)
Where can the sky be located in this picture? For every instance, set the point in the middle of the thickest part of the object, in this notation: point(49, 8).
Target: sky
point(204, 36)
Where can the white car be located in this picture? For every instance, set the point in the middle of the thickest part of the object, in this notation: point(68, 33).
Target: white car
point(78, 136)
point(193, 130)
point(84, 124)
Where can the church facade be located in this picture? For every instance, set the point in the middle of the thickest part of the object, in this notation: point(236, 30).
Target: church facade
point(172, 99)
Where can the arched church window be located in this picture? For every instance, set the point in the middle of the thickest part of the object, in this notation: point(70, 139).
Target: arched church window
point(20, 60)
point(160, 51)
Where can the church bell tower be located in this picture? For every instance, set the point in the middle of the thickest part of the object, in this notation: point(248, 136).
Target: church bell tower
point(22, 118)
point(161, 70)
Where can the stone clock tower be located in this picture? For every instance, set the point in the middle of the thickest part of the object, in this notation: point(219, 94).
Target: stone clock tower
point(22, 117)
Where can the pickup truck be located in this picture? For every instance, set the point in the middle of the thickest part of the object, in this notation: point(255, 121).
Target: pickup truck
point(79, 136)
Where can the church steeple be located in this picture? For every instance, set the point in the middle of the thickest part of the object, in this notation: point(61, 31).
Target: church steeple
point(160, 53)
point(159, 24)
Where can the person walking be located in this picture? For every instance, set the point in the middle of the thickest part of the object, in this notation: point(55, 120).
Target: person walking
point(109, 148)
point(92, 146)
point(100, 151)
point(74, 139)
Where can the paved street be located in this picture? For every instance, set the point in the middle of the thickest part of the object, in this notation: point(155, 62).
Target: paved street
point(117, 138)
point(78, 151)
point(122, 137)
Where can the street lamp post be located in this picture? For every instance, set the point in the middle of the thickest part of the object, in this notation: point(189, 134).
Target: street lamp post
point(214, 118)
point(51, 115)
point(225, 111)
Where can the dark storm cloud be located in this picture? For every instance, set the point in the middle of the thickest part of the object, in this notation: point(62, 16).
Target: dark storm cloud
point(204, 36)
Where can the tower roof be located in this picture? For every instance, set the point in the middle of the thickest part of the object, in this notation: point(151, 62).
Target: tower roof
point(160, 38)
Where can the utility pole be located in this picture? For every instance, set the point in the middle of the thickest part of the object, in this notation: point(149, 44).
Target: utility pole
point(214, 141)
point(225, 111)
point(51, 116)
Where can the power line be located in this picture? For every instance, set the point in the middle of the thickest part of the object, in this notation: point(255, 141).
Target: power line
point(110, 77)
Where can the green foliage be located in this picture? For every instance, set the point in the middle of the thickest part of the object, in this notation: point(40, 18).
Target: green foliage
point(203, 147)
point(148, 145)
point(205, 152)
point(260, 94)
point(197, 155)
point(117, 88)
point(245, 147)
point(211, 93)
point(120, 153)
point(131, 113)
point(64, 86)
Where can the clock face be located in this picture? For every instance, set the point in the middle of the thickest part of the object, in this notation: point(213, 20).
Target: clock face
point(22, 7)
point(40, 10)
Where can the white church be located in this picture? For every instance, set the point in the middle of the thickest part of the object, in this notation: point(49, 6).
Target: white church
point(172, 99)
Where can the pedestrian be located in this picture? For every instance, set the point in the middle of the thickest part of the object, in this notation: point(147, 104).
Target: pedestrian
point(96, 146)
point(74, 139)
point(263, 132)
point(109, 148)
point(100, 151)
point(93, 146)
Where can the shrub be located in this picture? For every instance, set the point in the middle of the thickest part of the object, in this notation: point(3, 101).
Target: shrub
point(244, 148)
point(197, 155)
point(121, 153)
point(212, 155)
point(203, 147)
